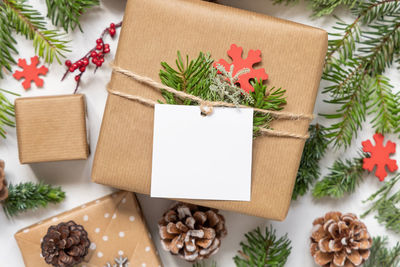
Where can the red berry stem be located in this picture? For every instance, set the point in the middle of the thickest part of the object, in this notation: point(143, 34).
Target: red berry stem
point(95, 55)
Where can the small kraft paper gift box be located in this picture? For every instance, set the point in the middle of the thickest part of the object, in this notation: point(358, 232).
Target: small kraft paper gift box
point(51, 128)
point(153, 31)
point(108, 228)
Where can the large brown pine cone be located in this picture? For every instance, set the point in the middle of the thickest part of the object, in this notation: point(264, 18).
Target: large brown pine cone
point(3, 182)
point(192, 232)
point(340, 240)
point(65, 244)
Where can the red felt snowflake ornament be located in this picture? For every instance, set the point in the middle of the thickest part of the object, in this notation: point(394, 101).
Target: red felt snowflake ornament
point(30, 72)
point(380, 156)
point(240, 63)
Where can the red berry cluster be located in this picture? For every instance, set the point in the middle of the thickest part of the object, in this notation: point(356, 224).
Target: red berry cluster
point(96, 55)
point(112, 31)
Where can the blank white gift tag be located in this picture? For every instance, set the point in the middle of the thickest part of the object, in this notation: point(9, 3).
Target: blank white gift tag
point(202, 157)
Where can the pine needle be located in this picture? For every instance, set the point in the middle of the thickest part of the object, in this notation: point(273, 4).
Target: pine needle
point(263, 249)
point(344, 177)
point(383, 256)
point(199, 78)
point(358, 55)
point(386, 205)
point(7, 44)
point(7, 112)
point(30, 196)
point(18, 16)
point(66, 13)
point(204, 264)
point(314, 151)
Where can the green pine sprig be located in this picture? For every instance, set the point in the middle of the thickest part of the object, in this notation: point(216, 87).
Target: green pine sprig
point(358, 55)
point(18, 16)
point(204, 264)
point(383, 106)
point(30, 196)
point(7, 112)
point(263, 249)
point(7, 47)
point(325, 7)
point(386, 205)
point(344, 177)
point(381, 255)
point(198, 77)
point(309, 170)
point(265, 98)
point(190, 76)
point(66, 13)
point(322, 7)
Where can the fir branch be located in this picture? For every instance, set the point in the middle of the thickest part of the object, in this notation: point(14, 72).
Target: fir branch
point(204, 264)
point(384, 105)
point(385, 205)
point(28, 22)
point(270, 99)
point(66, 13)
point(191, 76)
point(381, 255)
point(370, 10)
point(7, 112)
point(322, 7)
point(398, 61)
point(352, 109)
point(262, 250)
point(27, 196)
point(264, 98)
point(326, 7)
point(344, 46)
point(286, 2)
point(309, 170)
point(355, 63)
point(7, 44)
point(343, 178)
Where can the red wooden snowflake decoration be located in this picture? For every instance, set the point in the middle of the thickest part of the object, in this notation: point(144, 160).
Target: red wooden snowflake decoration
point(30, 72)
point(380, 156)
point(240, 63)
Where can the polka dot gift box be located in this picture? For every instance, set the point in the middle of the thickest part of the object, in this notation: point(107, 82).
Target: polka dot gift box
point(114, 227)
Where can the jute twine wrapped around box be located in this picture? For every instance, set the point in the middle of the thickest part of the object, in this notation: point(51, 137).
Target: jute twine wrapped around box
point(206, 107)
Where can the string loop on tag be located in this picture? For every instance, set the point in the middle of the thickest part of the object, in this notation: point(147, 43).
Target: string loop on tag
point(206, 109)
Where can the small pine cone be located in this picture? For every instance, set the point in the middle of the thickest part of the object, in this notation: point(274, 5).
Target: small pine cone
point(3, 182)
point(65, 244)
point(192, 232)
point(340, 240)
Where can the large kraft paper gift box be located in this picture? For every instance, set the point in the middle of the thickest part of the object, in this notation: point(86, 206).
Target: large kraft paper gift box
point(115, 227)
point(153, 31)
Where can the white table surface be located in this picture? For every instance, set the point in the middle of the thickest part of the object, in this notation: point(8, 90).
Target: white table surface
point(74, 176)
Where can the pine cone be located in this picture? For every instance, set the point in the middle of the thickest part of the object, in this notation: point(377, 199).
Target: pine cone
point(3, 182)
point(65, 245)
point(340, 240)
point(192, 232)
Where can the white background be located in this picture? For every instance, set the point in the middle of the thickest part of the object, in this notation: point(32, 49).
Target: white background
point(74, 176)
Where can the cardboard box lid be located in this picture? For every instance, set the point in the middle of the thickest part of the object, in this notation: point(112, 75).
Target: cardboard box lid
point(51, 128)
point(114, 224)
point(153, 31)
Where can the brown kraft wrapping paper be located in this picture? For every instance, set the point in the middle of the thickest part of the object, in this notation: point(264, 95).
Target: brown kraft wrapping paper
point(115, 226)
point(153, 31)
point(51, 128)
